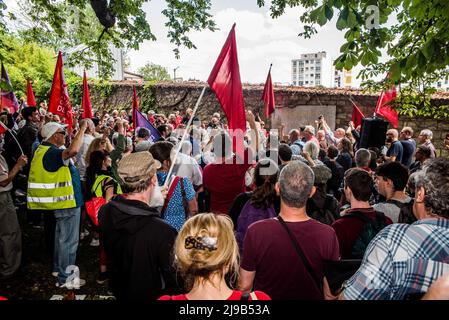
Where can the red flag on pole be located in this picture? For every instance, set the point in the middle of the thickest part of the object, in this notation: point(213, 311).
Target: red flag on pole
point(59, 96)
point(384, 103)
point(86, 104)
point(31, 102)
point(3, 128)
point(135, 108)
point(224, 80)
point(357, 115)
point(268, 95)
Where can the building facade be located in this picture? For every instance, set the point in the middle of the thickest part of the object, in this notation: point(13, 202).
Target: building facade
point(313, 69)
point(343, 79)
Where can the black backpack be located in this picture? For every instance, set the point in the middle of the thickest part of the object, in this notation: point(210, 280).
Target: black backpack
point(406, 214)
point(328, 214)
point(370, 229)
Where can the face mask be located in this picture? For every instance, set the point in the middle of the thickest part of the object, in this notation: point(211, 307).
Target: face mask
point(157, 198)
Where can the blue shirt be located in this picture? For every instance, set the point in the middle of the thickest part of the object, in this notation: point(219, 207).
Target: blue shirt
point(408, 150)
point(175, 214)
point(396, 150)
point(53, 161)
point(297, 147)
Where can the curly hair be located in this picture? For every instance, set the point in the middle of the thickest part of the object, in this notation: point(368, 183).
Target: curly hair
point(434, 178)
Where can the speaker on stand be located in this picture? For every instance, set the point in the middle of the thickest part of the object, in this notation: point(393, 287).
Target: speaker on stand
point(373, 133)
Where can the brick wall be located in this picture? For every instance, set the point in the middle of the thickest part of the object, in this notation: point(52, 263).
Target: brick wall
point(168, 97)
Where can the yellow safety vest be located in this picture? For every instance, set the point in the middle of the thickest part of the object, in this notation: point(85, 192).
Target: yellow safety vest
point(49, 190)
point(98, 191)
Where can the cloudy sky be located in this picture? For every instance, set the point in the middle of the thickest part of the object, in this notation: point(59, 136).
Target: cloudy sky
point(260, 40)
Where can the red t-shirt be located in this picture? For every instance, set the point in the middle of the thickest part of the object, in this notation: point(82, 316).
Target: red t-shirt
point(225, 181)
point(280, 272)
point(236, 295)
point(348, 230)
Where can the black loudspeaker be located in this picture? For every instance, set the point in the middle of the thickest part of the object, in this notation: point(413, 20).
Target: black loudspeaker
point(373, 133)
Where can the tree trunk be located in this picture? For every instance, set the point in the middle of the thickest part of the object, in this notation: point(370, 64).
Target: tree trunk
point(103, 12)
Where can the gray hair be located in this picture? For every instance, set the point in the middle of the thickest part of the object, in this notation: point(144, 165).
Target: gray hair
point(434, 178)
point(362, 158)
point(296, 182)
point(312, 149)
point(311, 129)
point(427, 133)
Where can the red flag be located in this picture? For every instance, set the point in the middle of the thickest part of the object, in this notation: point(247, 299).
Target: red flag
point(135, 108)
point(59, 96)
point(357, 115)
point(224, 80)
point(268, 96)
point(31, 102)
point(383, 106)
point(86, 104)
point(3, 128)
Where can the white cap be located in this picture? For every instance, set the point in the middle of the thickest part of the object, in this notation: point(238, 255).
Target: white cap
point(50, 129)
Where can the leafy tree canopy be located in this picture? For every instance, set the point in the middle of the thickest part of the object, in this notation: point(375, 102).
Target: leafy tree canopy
point(154, 72)
point(88, 28)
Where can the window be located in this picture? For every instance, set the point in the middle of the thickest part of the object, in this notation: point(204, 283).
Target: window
point(316, 55)
point(307, 68)
point(318, 69)
point(317, 76)
point(439, 84)
point(294, 69)
point(307, 61)
point(311, 68)
point(294, 83)
point(317, 82)
point(307, 82)
point(446, 81)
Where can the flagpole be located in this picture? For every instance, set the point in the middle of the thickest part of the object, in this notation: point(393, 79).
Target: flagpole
point(9, 130)
point(183, 136)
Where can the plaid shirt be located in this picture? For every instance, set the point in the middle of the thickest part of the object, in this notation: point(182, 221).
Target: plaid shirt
point(402, 259)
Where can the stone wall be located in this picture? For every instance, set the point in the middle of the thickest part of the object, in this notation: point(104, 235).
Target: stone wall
point(168, 97)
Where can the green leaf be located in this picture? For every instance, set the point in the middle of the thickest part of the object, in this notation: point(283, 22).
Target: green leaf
point(352, 19)
point(329, 12)
point(342, 22)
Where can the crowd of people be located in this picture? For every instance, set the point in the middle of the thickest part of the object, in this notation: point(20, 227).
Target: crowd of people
point(265, 219)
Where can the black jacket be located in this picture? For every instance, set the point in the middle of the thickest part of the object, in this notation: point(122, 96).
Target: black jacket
point(138, 246)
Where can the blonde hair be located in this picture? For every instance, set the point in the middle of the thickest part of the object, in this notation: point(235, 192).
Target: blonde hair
point(95, 146)
point(200, 264)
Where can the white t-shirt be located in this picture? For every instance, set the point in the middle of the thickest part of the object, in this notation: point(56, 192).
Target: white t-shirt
point(80, 157)
point(4, 173)
point(188, 167)
point(391, 210)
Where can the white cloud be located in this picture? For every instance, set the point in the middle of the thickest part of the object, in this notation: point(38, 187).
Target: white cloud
point(261, 40)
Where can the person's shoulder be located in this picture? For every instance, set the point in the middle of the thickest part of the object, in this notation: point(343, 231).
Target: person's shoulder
point(321, 227)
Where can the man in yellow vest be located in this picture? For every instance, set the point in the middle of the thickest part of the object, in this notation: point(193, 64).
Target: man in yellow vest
point(54, 185)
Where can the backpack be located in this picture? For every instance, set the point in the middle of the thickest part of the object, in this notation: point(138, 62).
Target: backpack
point(406, 214)
point(370, 229)
point(326, 214)
point(249, 215)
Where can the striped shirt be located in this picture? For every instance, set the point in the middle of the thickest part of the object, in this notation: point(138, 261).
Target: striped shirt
point(402, 259)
